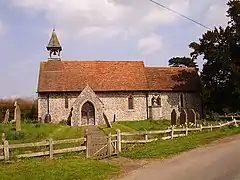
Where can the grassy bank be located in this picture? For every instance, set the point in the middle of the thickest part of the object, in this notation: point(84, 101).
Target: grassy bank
point(131, 126)
point(37, 132)
point(162, 149)
point(57, 169)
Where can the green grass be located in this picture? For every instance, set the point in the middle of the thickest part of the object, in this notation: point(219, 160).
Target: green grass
point(115, 126)
point(147, 125)
point(162, 149)
point(131, 126)
point(38, 132)
point(57, 169)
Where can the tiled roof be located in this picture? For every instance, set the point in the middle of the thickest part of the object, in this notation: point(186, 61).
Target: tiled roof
point(112, 76)
point(99, 75)
point(172, 78)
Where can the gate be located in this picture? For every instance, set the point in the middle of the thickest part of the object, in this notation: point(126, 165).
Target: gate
point(100, 147)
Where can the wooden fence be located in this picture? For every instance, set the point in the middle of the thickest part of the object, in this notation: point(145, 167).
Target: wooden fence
point(170, 133)
point(6, 148)
point(112, 145)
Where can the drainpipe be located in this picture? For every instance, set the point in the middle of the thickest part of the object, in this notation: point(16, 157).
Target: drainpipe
point(48, 116)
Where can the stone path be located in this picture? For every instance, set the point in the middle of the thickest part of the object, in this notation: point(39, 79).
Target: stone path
point(94, 131)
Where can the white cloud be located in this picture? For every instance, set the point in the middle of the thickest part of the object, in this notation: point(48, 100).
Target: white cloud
point(104, 18)
point(216, 15)
point(150, 44)
point(94, 20)
point(3, 28)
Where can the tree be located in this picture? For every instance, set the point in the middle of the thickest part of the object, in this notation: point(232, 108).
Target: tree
point(186, 61)
point(220, 76)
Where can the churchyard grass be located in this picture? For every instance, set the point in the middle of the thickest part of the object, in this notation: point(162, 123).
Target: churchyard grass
point(57, 169)
point(115, 126)
point(38, 132)
point(162, 149)
point(131, 126)
point(145, 125)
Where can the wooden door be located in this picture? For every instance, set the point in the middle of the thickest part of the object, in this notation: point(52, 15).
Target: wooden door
point(88, 114)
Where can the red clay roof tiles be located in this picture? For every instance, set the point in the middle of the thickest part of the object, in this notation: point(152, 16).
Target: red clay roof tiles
point(111, 76)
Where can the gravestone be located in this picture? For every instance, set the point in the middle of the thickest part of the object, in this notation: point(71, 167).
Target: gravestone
point(192, 116)
point(183, 116)
point(6, 118)
point(17, 116)
point(198, 116)
point(173, 117)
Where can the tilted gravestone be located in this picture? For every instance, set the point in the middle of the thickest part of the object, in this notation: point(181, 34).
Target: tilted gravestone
point(183, 116)
point(173, 117)
point(17, 116)
point(6, 118)
point(192, 116)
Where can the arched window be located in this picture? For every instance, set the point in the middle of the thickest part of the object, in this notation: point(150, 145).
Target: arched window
point(181, 100)
point(130, 102)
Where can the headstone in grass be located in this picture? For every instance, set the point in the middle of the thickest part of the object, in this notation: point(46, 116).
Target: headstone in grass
point(183, 117)
point(6, 118)
point(198, 116)
point(191, 116)
point(173, 117)
point(17, 116)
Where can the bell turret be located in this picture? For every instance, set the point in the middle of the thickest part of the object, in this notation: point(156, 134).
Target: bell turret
point(54, 47)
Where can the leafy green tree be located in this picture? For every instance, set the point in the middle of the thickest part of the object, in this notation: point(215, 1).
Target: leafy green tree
point(185, 61)
point(220, 76)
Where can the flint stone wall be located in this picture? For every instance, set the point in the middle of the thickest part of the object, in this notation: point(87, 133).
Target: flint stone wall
point(117, 103)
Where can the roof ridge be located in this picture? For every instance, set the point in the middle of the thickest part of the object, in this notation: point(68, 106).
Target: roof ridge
point(169, 67)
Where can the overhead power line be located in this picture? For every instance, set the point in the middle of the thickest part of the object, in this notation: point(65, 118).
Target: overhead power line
point(182, 15)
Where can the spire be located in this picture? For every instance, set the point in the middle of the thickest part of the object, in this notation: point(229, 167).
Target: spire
point(54, 46)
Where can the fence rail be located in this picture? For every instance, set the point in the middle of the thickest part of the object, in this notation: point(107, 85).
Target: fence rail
point(114, 141)
point(6, 147)
point(171, 131)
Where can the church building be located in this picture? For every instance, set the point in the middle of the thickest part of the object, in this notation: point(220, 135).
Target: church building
point(92, 92)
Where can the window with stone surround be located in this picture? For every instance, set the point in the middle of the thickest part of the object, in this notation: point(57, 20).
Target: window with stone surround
point(130, 102)
point(181, 100)
point(156, 100)
point(66, 102)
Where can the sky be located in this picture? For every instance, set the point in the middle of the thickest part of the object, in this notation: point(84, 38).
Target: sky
point(96, 30)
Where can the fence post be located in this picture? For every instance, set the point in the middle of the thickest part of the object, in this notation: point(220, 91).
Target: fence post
point(119, 143)
point(211, 127)
point(110, 144)
point(51, 148)
point(220, 125)
point(200, 127)
point(186, 131)
point(6, 150)
point(146, 137)
point(172, 132)
point(235, 123)
point(88, 143)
